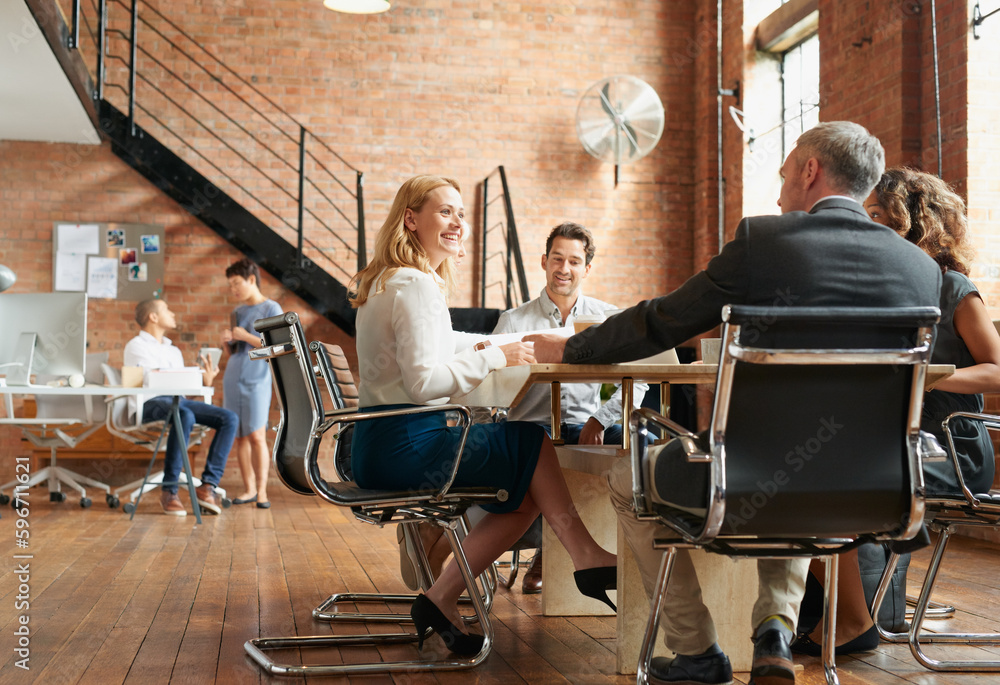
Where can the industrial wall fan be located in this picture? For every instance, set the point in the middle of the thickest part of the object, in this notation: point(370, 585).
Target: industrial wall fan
point(619, 120)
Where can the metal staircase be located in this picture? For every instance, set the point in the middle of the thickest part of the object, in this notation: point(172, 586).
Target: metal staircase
point(226, 152)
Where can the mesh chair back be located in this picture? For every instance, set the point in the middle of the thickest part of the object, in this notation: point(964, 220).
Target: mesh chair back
point(805, 435)
point(343, 393)
point(299, 401)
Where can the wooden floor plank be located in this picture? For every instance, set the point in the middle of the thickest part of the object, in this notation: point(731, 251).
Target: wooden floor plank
point(162, 600)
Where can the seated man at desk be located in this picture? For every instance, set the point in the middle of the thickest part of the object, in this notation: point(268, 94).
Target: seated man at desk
point(569, 253)
point(822, 251)
point(151, 349)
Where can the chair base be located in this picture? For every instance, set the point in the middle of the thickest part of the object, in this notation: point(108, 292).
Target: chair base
point(660, 591)
point(923, 610)
point(58, 476)
point(256, 648)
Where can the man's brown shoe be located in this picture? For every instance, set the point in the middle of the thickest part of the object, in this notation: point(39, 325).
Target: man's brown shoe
point(171, 503)
point(208, 499)
point(532, 583)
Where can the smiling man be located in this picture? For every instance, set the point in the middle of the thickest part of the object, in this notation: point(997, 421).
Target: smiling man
point(569, 253)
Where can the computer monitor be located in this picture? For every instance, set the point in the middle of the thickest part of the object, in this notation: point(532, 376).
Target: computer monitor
point(42, 333)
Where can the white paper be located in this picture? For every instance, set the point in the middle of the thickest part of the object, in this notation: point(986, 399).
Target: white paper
point(102, 277)
point(77, 238)
point(498, 339)
point(71, 271)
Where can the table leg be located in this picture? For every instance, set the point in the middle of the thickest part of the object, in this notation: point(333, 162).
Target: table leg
point(665, 399)
point(175, 415)
point(626, 386)
point(555, 416)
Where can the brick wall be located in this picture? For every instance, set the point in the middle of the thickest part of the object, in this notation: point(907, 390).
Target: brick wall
point(460, 87)
point(45, 183)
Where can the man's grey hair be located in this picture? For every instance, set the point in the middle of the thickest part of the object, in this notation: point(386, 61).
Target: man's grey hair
point(851, 156)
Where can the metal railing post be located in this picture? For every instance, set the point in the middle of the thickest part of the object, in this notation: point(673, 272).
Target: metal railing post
point(362, 249)
point(486, 198)
point(74, 37)
point(102, 27)
point(302, 190)
point(132, 67)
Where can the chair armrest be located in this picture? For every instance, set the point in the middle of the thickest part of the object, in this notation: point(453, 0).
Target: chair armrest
point(992, 422)
point(465, 420)
point(641, 417)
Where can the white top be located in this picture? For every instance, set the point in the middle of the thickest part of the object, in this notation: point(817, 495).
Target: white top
point(579, 401)
point(146, 351)
point(407, 350)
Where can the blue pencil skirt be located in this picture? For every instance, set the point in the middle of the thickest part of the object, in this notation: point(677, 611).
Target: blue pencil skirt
point(418, 451)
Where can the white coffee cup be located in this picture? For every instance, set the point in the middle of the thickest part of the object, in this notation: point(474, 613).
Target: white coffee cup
point(711, 349)
point(585, 321)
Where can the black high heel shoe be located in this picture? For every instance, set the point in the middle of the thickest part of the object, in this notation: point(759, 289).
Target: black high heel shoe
point(425, 614)
point(595, 582)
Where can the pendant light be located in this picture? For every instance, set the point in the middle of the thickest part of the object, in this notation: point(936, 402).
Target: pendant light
point(357, 6)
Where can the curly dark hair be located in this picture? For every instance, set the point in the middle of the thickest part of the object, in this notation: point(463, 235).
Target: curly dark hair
point(926, 211)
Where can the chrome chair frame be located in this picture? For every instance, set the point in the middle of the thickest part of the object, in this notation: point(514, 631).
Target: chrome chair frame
point(816, 537)
point(301, 427)
point(332, 367)
point(945, 514)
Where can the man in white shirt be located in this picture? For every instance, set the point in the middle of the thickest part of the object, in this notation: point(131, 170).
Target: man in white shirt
point(151, 349)
point(569, 252)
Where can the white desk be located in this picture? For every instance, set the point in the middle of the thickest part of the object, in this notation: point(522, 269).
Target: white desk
point(110, 393)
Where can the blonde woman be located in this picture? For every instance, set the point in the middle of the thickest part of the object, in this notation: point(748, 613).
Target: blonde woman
point(409, 355)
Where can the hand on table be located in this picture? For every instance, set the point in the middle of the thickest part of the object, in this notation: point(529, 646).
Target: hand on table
point(518, 353)
point(548, 347)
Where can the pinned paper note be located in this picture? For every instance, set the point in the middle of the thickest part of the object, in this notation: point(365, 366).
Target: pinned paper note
point(102, 277)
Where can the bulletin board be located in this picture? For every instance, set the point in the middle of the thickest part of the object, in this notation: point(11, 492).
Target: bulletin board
point(108, 260)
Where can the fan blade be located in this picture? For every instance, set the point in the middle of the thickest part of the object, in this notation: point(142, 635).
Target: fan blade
point(606, 101)
point(630, 134)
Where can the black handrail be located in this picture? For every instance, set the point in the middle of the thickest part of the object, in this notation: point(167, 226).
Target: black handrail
point(513, 265)
point(311, 199)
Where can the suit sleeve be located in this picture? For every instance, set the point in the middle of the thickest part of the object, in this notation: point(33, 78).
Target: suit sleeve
point(659, 324)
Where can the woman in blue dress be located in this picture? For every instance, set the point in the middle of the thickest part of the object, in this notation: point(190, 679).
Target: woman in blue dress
point(409, 355)
point(247, 384)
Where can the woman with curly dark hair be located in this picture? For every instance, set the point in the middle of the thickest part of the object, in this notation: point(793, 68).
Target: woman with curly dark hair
point(926, 211)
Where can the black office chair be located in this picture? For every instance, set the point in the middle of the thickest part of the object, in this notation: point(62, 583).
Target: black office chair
point(823, 404)
point(945, 514)
point(332, 367)
point(301, 428)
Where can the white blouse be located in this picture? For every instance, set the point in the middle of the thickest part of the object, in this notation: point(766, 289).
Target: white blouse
point(407, 350)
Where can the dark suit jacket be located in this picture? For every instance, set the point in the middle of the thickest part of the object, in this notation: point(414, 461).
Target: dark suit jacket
point(831, 256)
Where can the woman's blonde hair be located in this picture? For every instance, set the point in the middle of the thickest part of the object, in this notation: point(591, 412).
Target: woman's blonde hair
point(397, 247)
point(926, 211)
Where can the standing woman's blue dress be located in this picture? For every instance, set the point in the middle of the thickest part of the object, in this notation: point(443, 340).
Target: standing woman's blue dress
point(247, 384)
